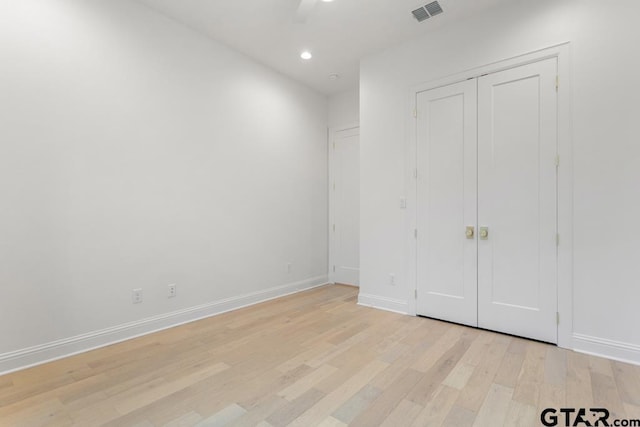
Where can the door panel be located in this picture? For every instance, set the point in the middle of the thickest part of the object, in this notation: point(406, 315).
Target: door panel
point(517, 146)
point(346, 207)
point(446, 203)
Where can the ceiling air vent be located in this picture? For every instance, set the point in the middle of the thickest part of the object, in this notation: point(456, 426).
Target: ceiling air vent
point(427, 11)
point(434, 8)
point(420, 14)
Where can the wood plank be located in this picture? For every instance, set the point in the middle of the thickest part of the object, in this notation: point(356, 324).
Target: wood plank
point(627, 379)
point(527, 389)
point(95, 414)
point(397, 368)
point(307, 382)
point(304, 357)
point(601, 365)
point(459, 376)
point(555, 366)
point(188, 419)
point(521, 415)
point(440, 347)
point(632, 411)
point(605, 394)
point(436, 410)
point(429, 383)
point(224, 417)
point(479, 348)
point(551, 396)
point(269, 382)
point(260, 411)
point(495, 406)
point(334, 400)
point(459, 417)
point(403, 414)
point(290, 412)
point(46, 413)
point(331, 422)
point(473, 395)
point(150, 392)
point(510, 368)
point(384, 404)
point(356, 404)
point(579, 393)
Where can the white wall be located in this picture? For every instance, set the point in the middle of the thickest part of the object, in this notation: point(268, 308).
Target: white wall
point(344, 108)
point(135, 153)
point(606, 152)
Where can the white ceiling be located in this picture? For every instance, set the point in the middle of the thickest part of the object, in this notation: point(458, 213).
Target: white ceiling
point(338, 33)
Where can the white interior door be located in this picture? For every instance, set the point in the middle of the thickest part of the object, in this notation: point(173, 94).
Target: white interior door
point(486, 157)
point(517, 149)
point(345, 202)
point(447, 257)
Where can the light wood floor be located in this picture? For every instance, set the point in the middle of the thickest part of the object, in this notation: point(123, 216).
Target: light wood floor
point(316, 358)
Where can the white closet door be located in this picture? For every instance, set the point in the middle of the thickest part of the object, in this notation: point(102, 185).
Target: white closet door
point(346, 207)
point(447, 154)
point(517, 147)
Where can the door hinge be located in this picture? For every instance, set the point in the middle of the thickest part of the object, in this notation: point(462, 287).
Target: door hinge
point(334, 228)
point(415, 294)
point(415, 173)
point(557, 161)
point(557, 82)
point(334, 145)
point(415, 113)
point(557, 239)
point(557, 318)
point(334, 186)
point(415, 233)
point(334, 268)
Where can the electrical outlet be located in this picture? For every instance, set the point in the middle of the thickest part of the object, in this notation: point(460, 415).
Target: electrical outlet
point(136, 296)
point(392, 279)
point(171, 291)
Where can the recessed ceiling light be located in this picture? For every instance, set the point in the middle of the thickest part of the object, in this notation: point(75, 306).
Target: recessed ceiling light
point(327, 1)
point(306, 55)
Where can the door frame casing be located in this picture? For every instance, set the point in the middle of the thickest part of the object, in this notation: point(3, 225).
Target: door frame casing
point(562, 53)
point(331, 195)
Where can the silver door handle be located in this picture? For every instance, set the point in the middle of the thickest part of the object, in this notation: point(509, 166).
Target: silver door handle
point(484, 233)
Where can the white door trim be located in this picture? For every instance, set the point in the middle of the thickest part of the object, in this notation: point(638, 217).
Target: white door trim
point(565, 173)
point(332, 250)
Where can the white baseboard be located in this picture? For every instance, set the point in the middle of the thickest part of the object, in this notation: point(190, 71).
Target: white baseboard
point(384, 303)
point(602, 347)
point(37, 355)
point(616, 350)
